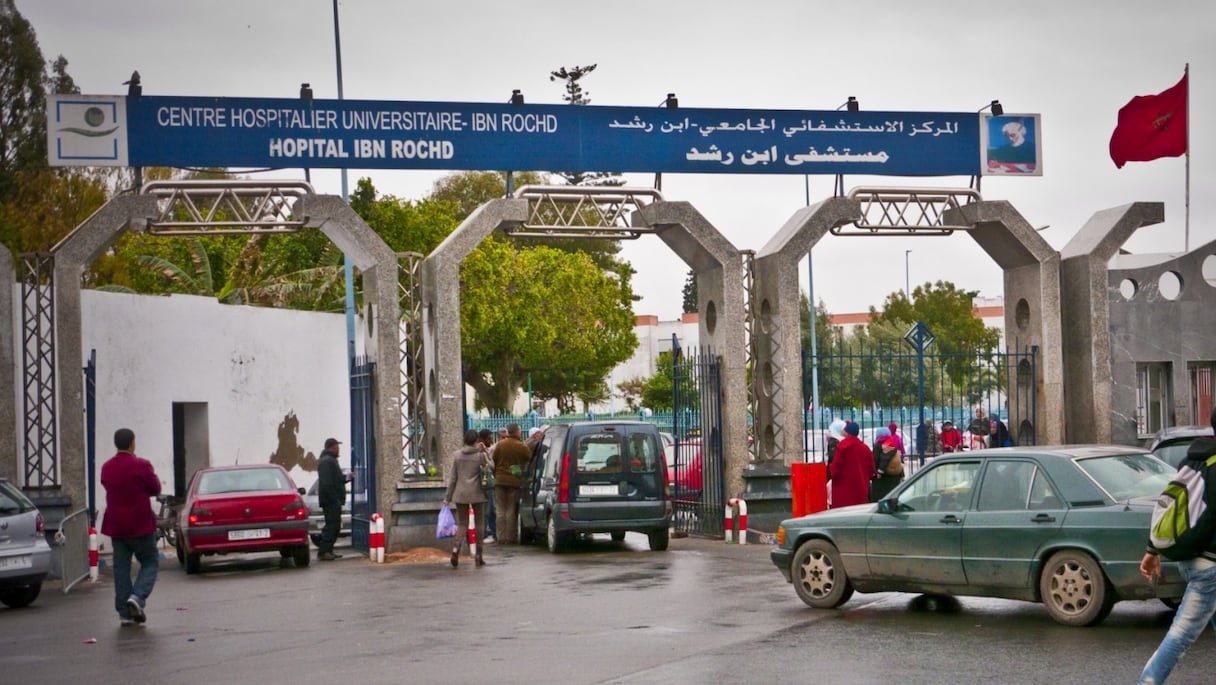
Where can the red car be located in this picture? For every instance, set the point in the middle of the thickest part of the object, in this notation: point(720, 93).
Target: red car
point(239, 509)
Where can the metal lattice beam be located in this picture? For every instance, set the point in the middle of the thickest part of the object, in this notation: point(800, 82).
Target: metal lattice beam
point(38, 369)
point(583, 211)
point(414, 457)
point(749, 338)
point(906, 211)
point(191, 208)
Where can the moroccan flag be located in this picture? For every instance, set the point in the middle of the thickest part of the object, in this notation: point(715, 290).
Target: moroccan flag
point(1151, 126)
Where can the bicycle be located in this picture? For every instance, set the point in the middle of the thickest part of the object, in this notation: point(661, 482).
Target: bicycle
point(166, 520)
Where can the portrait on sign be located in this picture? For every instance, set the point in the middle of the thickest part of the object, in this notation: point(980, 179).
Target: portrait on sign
point(1011, 145)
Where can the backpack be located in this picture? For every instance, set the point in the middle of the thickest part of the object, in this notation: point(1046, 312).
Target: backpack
point(1181, 525)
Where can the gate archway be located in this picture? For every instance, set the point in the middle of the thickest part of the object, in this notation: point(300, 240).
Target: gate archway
point(1031, 279)
point(622, 212)
point(294, 207)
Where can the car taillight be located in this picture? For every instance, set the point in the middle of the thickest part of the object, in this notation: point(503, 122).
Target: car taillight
point(197, 514)
point(39, 525)
point(296, 509)
point(563, 483)
point(666, 482)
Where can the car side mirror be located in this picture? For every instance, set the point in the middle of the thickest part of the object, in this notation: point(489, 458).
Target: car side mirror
point(887, 506)
point(302, 491)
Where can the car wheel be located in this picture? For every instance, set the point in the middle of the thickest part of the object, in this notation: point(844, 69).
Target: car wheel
point(17, 597)
point(300, 555)
point(658, 539)
point(555, 540)
point(618, 536)
point(286, 552)
point(194, 562)
point(819, 576)
point(1074, 590)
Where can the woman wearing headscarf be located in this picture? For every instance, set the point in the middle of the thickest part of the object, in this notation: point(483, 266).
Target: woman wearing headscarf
point(851, 470)
point(889, 465)
point(835, 435)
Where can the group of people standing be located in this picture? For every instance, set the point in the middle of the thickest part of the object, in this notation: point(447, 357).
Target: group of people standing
point(861, 473)
point(487, 476)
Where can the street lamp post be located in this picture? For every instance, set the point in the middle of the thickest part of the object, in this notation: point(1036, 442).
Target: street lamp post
point(348, 268)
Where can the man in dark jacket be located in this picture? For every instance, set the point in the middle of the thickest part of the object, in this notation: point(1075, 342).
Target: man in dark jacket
point(130, 483)
point(331, 494)
point(1198, 606)
point(511, 455)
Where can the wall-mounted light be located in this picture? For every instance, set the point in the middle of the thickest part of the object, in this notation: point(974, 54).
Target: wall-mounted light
point(306, 92)
point(995, 106)
point(851, 104)
point(517, 97)
point(134, 88)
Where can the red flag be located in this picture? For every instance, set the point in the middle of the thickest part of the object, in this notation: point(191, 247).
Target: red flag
point(1151, 126)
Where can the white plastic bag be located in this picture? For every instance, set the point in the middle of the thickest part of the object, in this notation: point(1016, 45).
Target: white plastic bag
point(446, 528)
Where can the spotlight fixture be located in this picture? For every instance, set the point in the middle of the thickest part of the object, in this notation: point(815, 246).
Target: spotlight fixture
point(995, 106)
point(851, 104)
point(306, 92)
point(517, 97)
point(671, 102)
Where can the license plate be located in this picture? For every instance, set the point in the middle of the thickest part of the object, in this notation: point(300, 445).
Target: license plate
point(23, 561)
point(594, 490)
point(253, 534)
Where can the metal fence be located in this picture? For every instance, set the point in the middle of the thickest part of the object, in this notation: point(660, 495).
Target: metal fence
point(879, 384)
point(72, 541)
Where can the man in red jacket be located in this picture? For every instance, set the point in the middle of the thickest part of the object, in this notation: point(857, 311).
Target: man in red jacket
point(130, 483)
point(851, 469)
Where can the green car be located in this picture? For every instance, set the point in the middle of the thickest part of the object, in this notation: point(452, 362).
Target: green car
point(1065, 526)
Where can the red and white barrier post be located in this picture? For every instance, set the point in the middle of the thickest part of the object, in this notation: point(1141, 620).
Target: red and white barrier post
point(375, 541)
point(92, 553)
point(736, 512)
point(473, 541)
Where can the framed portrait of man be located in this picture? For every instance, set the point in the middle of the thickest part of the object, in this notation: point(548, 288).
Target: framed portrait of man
point(1011, 145)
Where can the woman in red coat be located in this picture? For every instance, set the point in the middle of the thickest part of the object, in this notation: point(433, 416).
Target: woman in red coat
point(851, 469)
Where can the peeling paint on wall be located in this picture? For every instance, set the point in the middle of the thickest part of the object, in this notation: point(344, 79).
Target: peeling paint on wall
point(289, 453)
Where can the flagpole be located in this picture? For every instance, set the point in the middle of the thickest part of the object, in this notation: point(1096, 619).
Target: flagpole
point(1186, 245)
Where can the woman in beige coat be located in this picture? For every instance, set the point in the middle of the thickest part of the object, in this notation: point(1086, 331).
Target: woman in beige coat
point(464, 489)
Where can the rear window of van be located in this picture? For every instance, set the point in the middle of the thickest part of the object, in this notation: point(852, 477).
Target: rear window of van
point(612, 452)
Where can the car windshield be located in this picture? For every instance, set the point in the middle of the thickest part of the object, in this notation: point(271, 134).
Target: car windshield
point(243, 480)
point(1125, 476)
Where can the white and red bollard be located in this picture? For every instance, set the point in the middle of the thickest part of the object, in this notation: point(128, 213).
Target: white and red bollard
point(473, 542)
point(92, 554)
point(736, 535)
point(375, 541)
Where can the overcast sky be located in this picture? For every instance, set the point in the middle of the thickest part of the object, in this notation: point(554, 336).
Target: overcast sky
point(1075, 63)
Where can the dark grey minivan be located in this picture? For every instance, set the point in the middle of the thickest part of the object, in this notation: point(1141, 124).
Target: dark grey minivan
point(596, 477)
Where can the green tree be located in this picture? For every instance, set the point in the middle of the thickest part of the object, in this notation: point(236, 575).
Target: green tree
point(542, 312)
point(631, 390)
point(23, 87)
point(690, 292)
point(657, 392)
point(949, 314)
point(575, 94)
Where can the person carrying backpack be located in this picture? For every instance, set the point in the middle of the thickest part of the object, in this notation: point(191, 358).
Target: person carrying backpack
point(1184, 530)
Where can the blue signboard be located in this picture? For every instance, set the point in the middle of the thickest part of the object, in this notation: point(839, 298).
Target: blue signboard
point(363, 134)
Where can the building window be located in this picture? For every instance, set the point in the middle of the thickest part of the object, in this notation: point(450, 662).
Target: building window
point(1152, 397)
point(1201, 391)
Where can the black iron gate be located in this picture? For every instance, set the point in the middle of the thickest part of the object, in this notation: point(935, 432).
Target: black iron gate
point(362, 451)
point(699, 490)
point(915, 386)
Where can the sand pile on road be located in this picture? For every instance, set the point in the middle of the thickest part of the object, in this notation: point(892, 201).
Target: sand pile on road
point(418, 555)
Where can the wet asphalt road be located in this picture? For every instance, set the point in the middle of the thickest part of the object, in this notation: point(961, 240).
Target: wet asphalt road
point(703, 612)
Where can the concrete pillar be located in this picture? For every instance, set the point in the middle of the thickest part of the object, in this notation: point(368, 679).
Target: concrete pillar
point(718, 266)
point(1086, 312)
point(1032, 306)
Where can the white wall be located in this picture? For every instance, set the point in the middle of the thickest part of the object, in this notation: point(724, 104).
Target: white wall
point(249, 365)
